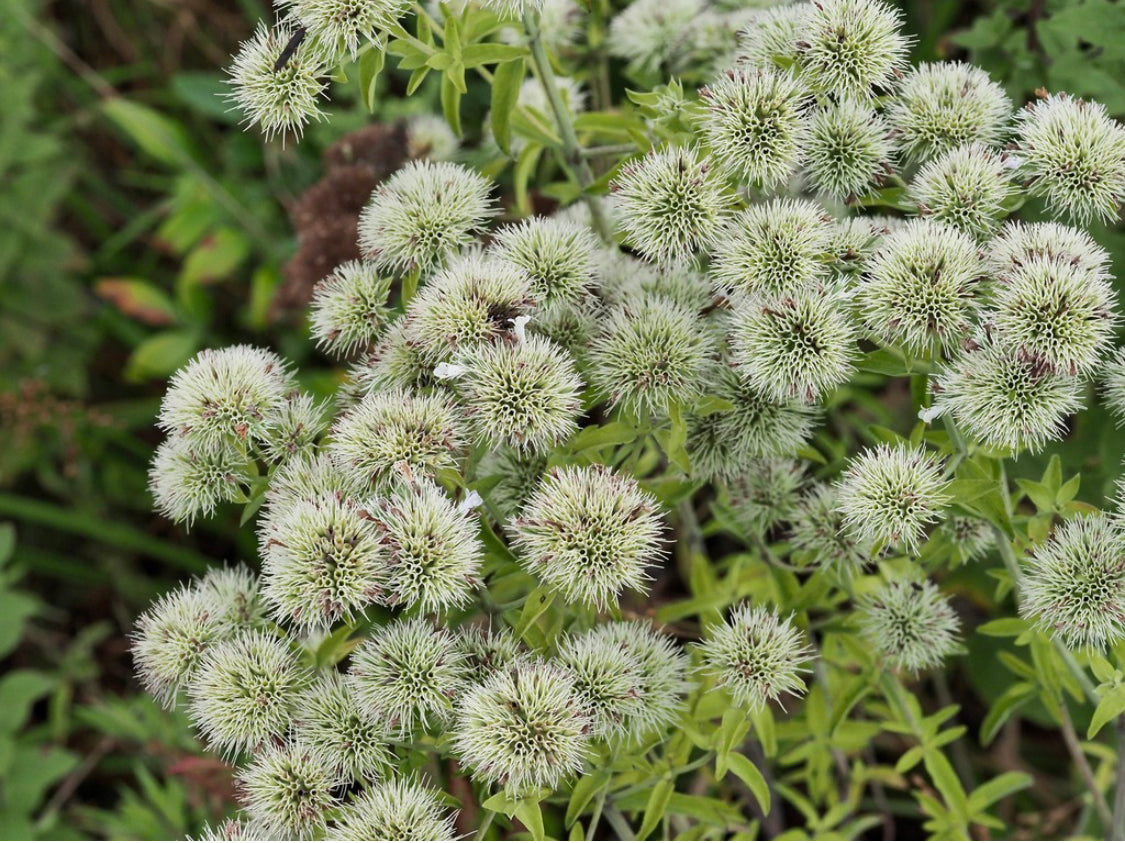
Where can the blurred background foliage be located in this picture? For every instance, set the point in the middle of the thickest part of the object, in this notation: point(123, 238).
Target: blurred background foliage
point(138, 223)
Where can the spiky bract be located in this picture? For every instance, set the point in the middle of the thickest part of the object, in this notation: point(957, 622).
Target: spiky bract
point(187, 481)
point(967, 188)
point(848, 150)
point(851, 48)
point(341, 27)
point(1018, 242)
point(605, 677)
point(329, 723)
point(349, 308)
point(910, 623)
point(766, 494)
point(288, 791)
point(556, 254)
point(395, 809)
point(820, 537)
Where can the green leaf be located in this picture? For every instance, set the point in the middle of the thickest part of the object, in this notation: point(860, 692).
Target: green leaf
point(1004, 628)
point(537, 602)
point(599, 436)
point(370, 66)
point(451, 103)
point(656, 806)
point(159, 136)
point(991, 792)
point(475, 55)
point(7, 542)
point(752, 777)
point(1112, 705)
point(711, 404)
point(1002, 710)
point(18, 691)
point(505, 94)
point(138, 299)
point(583, 791)
point(530, 814)
point(215, 258)
point(160, 355)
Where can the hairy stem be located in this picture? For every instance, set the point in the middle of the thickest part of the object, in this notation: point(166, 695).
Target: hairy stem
point(571, 149)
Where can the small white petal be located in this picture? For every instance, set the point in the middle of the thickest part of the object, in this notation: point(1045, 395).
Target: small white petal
point(448, 371)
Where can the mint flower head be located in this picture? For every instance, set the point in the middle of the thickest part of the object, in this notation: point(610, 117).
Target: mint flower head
point(279, 97)
point(349, 308)
point(756, 124)
point(341, 27)
point(1019, 242)
point(476, 299)
point(921, 288)
point(671, 204)
point(589, 533)
point(324, 561)
point(773, 247)
point(526, 727)
point(288, 791)
point(769, 37)
point(488, 650)
point(910, 623)
point(1073, 155)
point(224, 397)
point(818, 532)
point(395, 362)
point(1051, 311)
point(890, 494)
point(645, 32)
point(243, 693)
point(606, 677)
point(650, 351)
point(851, 48)
point(798, 346)
point(766, 494)
point(434, 553)
point(943, 105)
point(369, 442)
point(423, 214)
point(756, 655)
point(967, 188)
point(557, 254)
point(407, 674)
point(524, 395)
point(848, 150)
point(330, 724)
point(395, 809)
point(1075, 583)
point(187, 480)
point(1006, 399)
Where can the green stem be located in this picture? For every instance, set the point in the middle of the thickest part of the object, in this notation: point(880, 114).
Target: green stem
point(93, 527)
point(1070, 738)
point(1117, 831)
point(571, 149)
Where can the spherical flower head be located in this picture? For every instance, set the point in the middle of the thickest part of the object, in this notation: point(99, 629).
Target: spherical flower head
point(293, 427)
point(341, 27)
point(607, 678)
point(423, 214)
point(910, 624)
point(408, 673)
point(794, 347)
point(660, 674)
point(819, 535)
point(488, 651)
point(429, 136)
point(524, 395)
point(1113, 384)
point(766, 494)
point(329, 723)
point(396, 362)
point(971, 537)
point(756, 655)
point(756, 124)
point(511, 9)
point(645, 32)
point(243, 692)
point(308, 477)
point(889, 494)
point(920, 289)
point(525, 728)
point(388, 428)
point(727, 443)
point(288, 791)
point(773, 247)
point(476, 299)
point(943, 105)
point(769, 37)
point(571, 326)
point(966, 188)
point(1073, 155)
point(650, 352)
point(279, 97)
point(854, 240)
point(671, 204)
point(848, 150)
point(222, 397)
point(1006, 400)
point(706, 45)
point(187, 481)
point(235, 594)
point(1075, 583)
point(556, 254)
point(1054, 312)
point(172, 637)
point(349, 308)
point(233, 829)
point(395, 809)
point(513, 477)
point(1019, 242)
point(435, 550)
point(322, 563)
point(589, 533)
point(851, 48)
